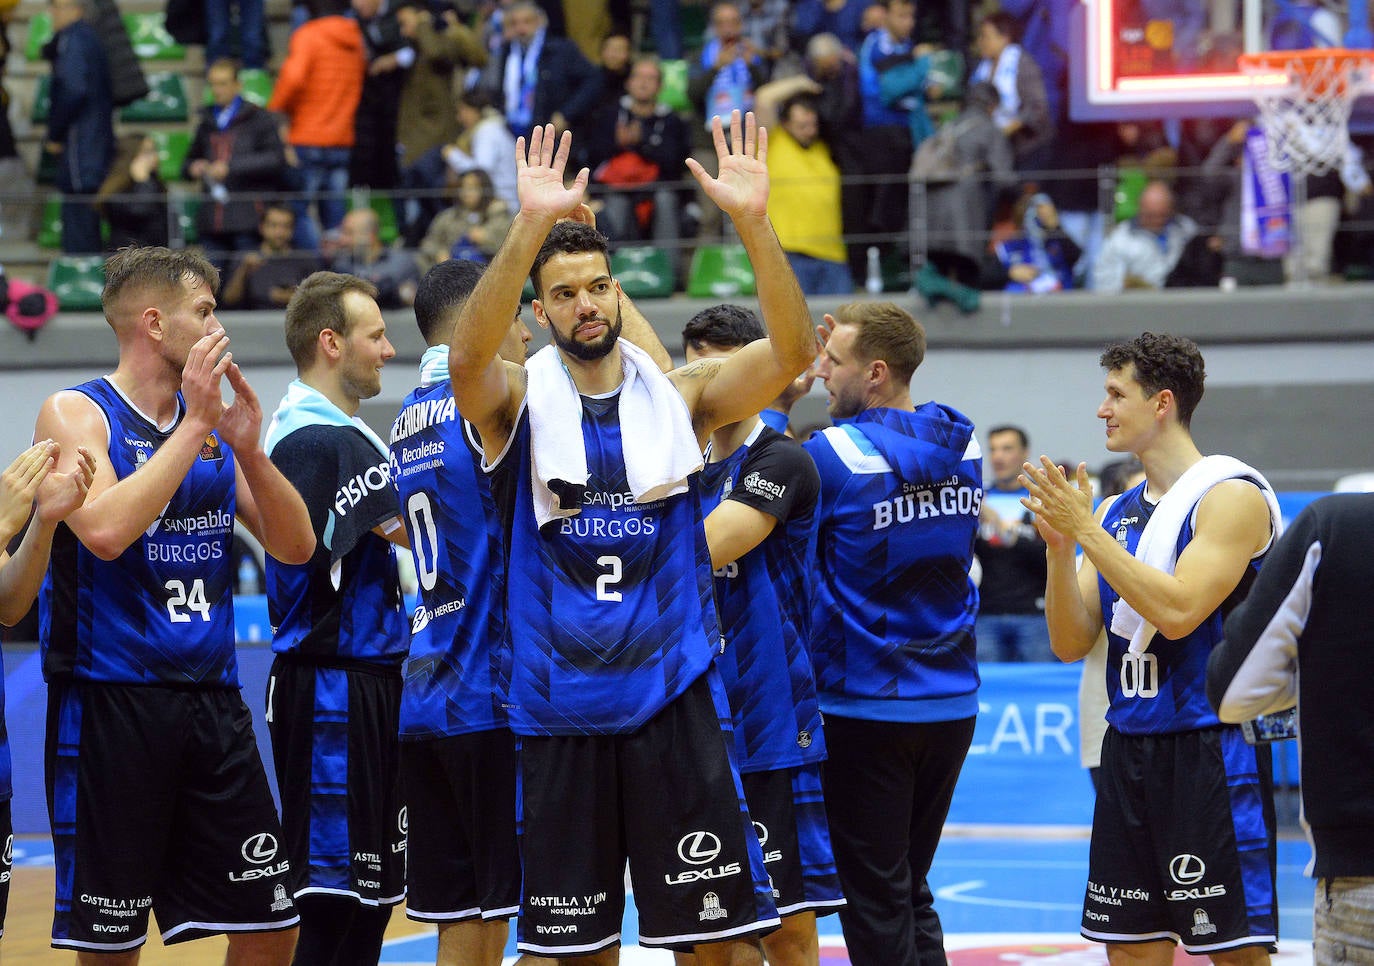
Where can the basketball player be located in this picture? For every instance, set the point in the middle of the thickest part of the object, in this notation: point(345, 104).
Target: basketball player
point(622, 723)
point(760, 493)
point(892, 627)
point(1183, 832)
point(158, 797)
point(29, 477)
point(341, 632)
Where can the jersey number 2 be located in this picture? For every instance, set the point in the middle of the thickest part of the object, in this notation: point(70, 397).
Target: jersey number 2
point(610, 577)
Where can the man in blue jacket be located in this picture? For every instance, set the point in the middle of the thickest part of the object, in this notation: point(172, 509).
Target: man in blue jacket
point(892, 626)
point(80, 121)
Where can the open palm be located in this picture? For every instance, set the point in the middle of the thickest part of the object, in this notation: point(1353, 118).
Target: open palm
point(540, 175)
point(740, 187)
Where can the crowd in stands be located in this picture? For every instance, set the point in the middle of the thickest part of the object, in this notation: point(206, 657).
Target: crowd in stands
point(936, 135)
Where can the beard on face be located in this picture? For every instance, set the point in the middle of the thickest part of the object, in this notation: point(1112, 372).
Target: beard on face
point(589, 351)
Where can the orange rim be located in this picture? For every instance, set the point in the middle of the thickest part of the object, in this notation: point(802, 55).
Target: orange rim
point(1318, 71)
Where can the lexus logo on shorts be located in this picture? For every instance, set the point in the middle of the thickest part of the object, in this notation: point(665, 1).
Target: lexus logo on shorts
point(9, 850)
point(761, 831)
point(1187, 869)
point(698, 848)
point(402, 821)
point(259, 849)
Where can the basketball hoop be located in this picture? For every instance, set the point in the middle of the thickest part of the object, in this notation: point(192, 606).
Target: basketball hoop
point(1304, 99)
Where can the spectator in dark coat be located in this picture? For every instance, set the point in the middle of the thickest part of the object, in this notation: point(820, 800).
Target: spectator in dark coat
point(80, 121)
point(133, 198)
point(539, 78)
point(236, 154)
point(373, 162)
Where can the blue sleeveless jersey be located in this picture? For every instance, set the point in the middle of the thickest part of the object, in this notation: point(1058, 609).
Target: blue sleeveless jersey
point(1164, 689)
point(764, 599)
point(344, 604)
point(162, 613)
point(453, 681)
point(609, 611)
point(892, 628)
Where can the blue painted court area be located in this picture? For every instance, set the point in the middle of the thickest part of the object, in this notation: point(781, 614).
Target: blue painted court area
point(1022, 894)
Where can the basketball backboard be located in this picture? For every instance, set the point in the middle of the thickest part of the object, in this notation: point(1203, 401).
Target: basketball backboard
point(1146, 59)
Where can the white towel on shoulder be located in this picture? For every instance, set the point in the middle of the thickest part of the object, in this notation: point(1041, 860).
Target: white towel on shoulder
point(1159, 541)
point(660, 448)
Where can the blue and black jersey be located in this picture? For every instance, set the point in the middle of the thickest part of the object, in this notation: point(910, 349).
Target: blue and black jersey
point(764, 600)
point(453, 680)
point(1162, 690)
point(892, 631)
point(609, 612)
point(162, 612)
point(344, 605)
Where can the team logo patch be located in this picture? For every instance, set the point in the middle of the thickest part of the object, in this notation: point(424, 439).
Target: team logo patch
point(803, 739)
point(710, 908)
point(210, 450)
point(280, 900)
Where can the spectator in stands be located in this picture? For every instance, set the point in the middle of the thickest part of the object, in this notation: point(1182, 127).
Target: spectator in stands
point(473, 227)
point(319, 88)
point(16, 215)
point(266, 277)
point(1043, 26)
point(392, 270)
point(1040, 257)
point(540, 78)
point(765, 23)
point(80, 121)
point(1023, 111)
point(1011, 594)
point(894, 113)
point(804, 202)
point(133, 198)
point(832, 78)
point(485, 142)
point(842, 18)
point(373, 161)
point(236, 26)
point(236, 155)
point(959, 211)
point(615, 62)
point(443, 51)
point(1081, 150)
point(1142, 251)
point(730, 69)
point(428, 109)
point(640, 142)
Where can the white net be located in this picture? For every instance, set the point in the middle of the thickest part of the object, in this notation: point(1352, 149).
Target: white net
point(1306, 122)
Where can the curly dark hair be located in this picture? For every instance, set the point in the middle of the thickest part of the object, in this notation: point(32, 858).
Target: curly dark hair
point(1162, 361)
point(568, 238)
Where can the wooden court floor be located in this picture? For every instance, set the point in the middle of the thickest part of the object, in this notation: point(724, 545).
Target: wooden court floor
point(28, 927)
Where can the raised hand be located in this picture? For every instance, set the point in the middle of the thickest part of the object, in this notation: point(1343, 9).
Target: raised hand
point(740, 187)
point(61, 493)
point(242, 421)
point(1062, 508)
point(19, 483)
point(206, 364)
point(540, 175)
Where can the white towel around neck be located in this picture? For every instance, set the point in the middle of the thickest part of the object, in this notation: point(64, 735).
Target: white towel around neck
point(1159, 541)
point(657, 440)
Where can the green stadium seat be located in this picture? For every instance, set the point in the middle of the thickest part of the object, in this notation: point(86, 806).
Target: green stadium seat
point(643, 272)
point(42, 100)
point(167, 101)
point(388, 227)
point(695, 19)
point(77, 281)
point(946, 72)
point(50, 226)
point(172, 148)
point(149, 37)
point(673, 93)
point(1130, 182)
point(187, 211)
point(40, 32)
point(720, 272)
